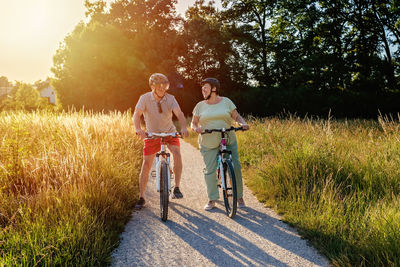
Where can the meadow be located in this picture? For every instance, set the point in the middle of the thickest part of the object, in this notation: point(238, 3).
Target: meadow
point(68, 183)
point(337, 182)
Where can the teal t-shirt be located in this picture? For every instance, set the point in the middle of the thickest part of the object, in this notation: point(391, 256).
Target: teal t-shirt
point(216, 116)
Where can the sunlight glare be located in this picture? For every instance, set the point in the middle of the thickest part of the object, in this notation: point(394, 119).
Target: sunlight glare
point(36, 20)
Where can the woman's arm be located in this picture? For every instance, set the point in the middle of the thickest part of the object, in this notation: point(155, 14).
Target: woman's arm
point(195, 124)
point(236, 117)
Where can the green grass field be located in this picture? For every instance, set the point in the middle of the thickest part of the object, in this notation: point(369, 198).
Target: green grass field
point(68, 183)
point(338, 182)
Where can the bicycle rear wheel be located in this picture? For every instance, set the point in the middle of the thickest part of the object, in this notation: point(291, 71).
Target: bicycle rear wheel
point(164, 192)
point(230, 191)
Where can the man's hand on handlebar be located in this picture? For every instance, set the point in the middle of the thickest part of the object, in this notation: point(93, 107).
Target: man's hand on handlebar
point(184, 133)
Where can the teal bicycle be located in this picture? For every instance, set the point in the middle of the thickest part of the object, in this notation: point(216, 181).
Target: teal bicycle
point(225, 171)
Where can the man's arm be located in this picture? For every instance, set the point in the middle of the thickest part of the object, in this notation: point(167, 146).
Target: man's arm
point(136, 122)
point(182, 121)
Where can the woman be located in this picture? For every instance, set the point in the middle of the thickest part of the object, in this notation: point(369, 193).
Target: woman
point(216, 112)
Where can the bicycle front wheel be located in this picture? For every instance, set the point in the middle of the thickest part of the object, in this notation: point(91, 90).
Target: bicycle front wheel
point(164, 192)
point(230, 191)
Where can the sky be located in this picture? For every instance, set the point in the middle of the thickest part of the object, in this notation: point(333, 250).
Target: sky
point(31, 31)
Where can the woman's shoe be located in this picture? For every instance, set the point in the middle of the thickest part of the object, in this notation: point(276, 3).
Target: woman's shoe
point(210, 205)
point(241, 203)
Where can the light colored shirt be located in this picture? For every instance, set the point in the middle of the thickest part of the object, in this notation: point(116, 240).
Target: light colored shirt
point(155, 121)
point(216, 116)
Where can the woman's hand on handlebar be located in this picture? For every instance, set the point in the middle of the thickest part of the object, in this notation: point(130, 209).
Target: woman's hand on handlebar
point(199, 130)
point(245, 126)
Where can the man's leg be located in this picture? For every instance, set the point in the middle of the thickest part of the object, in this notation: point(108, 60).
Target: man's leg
point(144, 173)
point(176, 153)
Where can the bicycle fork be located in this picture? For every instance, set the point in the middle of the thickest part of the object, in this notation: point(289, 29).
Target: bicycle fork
point(221, 160)
point(221, 172)
point(221, 175)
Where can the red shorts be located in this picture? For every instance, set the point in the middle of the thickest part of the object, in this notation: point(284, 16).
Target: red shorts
point(152, 146)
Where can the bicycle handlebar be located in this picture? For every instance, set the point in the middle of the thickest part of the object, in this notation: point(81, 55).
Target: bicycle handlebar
point(151, 135)
point(223, 130)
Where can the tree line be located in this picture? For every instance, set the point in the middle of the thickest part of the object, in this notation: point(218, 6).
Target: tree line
point(305, 56)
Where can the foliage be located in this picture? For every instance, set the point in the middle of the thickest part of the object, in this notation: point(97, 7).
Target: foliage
point(25, 97)
point(105, 64)
point(307, 56)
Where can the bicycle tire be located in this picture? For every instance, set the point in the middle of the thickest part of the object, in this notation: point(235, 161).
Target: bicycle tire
point(230, 191)
point(164, 192)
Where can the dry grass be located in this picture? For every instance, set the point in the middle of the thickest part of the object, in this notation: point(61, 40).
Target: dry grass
point(337, 181)
point(67, 185)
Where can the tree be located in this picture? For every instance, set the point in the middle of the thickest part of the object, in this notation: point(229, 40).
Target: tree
point(26, 97)
point(105, 64)
point(97, 68)
point(248, 21)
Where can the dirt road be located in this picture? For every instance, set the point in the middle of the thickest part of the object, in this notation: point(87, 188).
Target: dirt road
point(195, 237)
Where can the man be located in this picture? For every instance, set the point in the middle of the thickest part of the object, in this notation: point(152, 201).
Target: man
point(157, 107)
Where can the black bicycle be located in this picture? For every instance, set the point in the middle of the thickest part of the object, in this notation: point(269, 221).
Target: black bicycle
point(163, 172)
point(225, 172)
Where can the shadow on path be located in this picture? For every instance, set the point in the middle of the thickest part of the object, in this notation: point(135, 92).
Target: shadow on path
point(219, 244)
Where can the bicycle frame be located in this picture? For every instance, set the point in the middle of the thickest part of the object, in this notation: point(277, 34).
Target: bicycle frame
point(163, 172)
point(162, 156)
point(221, 159)
point(225, 167)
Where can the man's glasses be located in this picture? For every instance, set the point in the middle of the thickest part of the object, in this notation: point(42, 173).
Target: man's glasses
point(162, 86)
point(159, 107)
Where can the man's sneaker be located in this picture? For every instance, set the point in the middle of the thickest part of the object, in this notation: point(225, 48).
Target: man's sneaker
point(176, 193)
point(140, 203)
point(240, 203)
point(210, 205)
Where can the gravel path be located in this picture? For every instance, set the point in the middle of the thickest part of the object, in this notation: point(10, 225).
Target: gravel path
point(195, 237)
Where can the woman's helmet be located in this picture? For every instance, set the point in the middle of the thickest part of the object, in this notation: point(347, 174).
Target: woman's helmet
point(213, 82)
point(157, 78)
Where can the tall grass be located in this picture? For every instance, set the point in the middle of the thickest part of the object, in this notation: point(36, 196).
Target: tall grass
point(67, 185)
point(338, 182)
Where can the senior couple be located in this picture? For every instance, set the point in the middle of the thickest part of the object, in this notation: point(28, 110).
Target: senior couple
point(214, 111)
